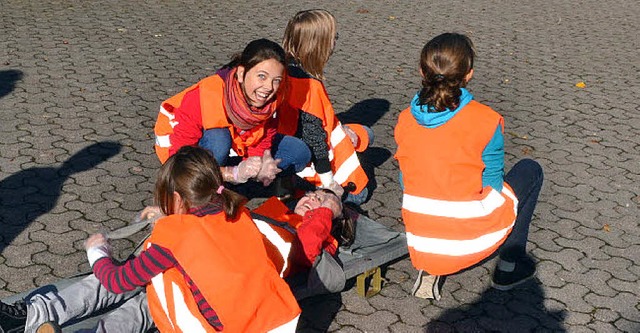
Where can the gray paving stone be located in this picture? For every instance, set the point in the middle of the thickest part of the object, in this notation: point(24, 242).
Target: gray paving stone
point(82, 73)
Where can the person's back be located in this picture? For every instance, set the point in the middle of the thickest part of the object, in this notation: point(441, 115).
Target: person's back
point(458, 207)
point(309, 40)
point(227, 261)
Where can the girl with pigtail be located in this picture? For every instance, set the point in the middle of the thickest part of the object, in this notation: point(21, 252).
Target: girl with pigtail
point(458, 206)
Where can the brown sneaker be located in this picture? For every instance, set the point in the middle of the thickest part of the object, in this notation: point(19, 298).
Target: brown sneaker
point(49, 327)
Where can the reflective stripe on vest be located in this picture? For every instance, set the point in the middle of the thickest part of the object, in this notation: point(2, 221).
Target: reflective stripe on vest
point(345, 163)
point(283, 246)
point(454, 209)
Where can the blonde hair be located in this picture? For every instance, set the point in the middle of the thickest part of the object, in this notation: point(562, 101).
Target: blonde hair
point(309, 40)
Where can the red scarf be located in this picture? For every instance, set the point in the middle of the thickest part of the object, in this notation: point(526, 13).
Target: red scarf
point(241, 114)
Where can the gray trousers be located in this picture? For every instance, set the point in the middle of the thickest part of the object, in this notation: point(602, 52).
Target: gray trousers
point(84, 298)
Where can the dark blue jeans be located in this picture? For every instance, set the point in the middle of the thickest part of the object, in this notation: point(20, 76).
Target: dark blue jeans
point(292, 152)
point(525, 178)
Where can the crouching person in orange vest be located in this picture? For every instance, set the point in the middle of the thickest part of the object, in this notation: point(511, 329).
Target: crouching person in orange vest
point(234, 113)
point(458, 206)
point(204, 266)
point(307, 113)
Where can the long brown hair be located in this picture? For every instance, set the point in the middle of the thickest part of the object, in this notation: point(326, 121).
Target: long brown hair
point(193, 173)
point(445, 62)
point(256, 52)
point(309, 40)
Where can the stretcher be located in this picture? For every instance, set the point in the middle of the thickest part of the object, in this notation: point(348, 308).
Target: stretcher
point(375, 245)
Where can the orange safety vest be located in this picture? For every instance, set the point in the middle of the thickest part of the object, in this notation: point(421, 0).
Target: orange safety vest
point(228, 263)
point(279, 239)
point(309, 95)
point(451, 221)
point(213, 114)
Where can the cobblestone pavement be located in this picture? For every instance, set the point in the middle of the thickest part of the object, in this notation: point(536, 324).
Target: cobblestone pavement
point(81, 81)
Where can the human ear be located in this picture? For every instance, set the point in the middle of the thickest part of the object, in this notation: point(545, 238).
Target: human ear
point(468, 77)
point(240, 74)
point(178, 204)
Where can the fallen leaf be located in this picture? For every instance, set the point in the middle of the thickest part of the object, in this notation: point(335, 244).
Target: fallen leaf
point(392, 17)
point(399, 70)
point(526, 151)
point(362, 11)
point(518, 136)
point(594, 141)
point(581, 84)
point(65, 42)
point(606, 228)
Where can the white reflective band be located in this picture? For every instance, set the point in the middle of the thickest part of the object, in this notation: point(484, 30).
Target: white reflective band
point(455, 247)
point(163, 141)
point(169, 115)
point(158, 284)
point(513, 197)
point(346, 168)
point(309, 171)
point(337, 135)
point(185, 320)
point(289, 327)
point(274, 238)
point(455, 209)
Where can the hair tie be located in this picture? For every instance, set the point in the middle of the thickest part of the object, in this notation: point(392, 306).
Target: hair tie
point(438, 77)
point(220, 188)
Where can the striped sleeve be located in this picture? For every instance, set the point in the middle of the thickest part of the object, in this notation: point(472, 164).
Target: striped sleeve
point(135, 272)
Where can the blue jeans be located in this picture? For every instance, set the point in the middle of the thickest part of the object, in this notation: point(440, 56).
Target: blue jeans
point(292, 152)
point(525, 178)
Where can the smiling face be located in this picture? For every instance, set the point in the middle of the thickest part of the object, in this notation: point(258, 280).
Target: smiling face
point(317, 199)
point(261, 83)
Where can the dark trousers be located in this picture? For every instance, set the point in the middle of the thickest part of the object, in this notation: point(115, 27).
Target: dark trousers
point(525, 178)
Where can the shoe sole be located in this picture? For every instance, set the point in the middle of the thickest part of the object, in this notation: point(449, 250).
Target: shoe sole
point(506, 287)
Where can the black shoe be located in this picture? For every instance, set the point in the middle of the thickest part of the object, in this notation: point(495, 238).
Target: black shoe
point(508, 275)
point(13, 318)
point(49, 327)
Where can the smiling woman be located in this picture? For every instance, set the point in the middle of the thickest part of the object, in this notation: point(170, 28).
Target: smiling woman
point(232, 114)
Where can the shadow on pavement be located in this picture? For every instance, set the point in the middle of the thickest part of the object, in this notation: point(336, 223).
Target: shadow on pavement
point(366, 112)
point(318, 312)
point(8, 79)
point(519, 310)
point(33, 192)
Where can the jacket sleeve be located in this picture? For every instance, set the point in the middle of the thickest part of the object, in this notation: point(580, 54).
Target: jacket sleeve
point(314, 231)
point(311, 131)
point(188, 130)
point(493, 158)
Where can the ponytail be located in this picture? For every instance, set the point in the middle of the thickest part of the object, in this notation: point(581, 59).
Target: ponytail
point(445, 62)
